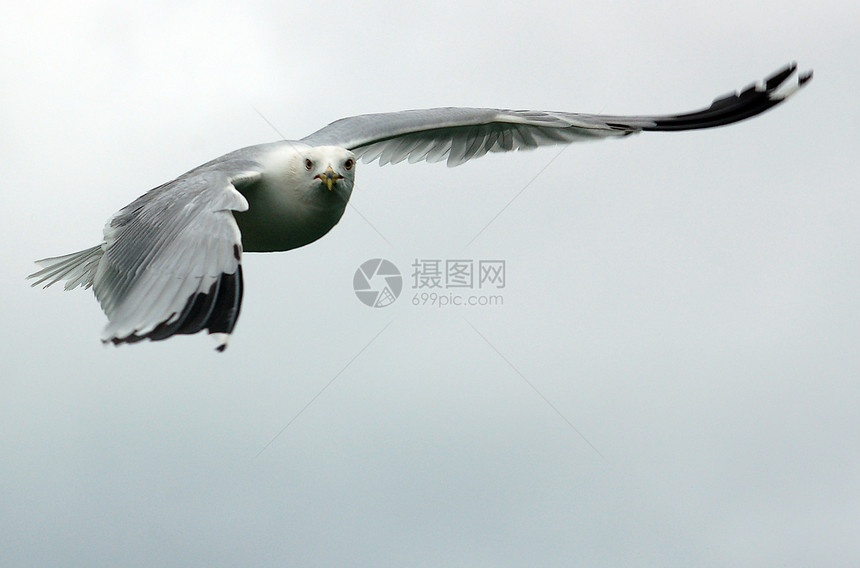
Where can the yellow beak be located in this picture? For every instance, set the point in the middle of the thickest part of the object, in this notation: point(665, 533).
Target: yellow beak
point(329, 177)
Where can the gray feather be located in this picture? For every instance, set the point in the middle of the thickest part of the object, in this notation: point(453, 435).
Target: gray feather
point(462, 134)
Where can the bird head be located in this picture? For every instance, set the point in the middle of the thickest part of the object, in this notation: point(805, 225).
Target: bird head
point(329, 169)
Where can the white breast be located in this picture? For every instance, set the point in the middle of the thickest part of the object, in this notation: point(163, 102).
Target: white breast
point(288, 207)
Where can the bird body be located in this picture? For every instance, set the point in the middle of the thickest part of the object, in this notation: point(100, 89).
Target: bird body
point(170, 262)
point(287, 209)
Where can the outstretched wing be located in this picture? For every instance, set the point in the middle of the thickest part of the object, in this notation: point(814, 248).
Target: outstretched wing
point(461, 134)
point(172, 258)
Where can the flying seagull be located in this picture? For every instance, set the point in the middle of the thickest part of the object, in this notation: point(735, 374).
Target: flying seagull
point(171, 261)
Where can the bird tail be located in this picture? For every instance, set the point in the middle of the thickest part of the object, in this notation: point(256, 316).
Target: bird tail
point(78, 268)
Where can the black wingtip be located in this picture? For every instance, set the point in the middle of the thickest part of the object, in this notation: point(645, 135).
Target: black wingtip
point(736, 106)
point(779, 77)
point(217, 310)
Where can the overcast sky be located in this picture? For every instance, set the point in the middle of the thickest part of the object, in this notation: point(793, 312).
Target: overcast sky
point(672, 377)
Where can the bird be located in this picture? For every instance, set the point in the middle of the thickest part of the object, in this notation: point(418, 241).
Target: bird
point(171, 260)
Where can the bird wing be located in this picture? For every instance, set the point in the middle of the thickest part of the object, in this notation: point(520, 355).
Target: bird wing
point(172, 258)
point(461, 134)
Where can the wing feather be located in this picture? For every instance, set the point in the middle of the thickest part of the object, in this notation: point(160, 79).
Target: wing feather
point(172, 258)
point(462, 134)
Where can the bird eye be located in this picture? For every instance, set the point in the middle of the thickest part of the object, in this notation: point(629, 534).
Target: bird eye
point(349, 163)
point(308, 163)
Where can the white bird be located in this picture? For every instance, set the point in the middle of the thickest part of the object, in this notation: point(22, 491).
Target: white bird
point(170, 262)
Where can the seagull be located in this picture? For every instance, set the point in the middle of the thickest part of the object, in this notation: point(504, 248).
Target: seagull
point(171, 261)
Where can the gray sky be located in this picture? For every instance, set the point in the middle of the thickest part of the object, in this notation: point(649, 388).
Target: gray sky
point(687, 301)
